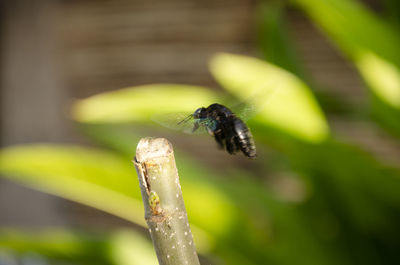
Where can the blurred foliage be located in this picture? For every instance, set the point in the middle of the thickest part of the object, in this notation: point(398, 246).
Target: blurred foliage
point(274, 38)
point(61, 169)
point(392, 10)
point(313, 200)
point(132, 105)
point(60, 246)
point(371, 43)
point(277, 45)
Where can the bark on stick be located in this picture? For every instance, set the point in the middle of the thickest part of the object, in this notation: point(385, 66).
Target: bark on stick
point(165, 211)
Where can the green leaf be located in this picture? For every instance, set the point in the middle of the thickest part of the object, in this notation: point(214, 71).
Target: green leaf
point(130, 248)
point(124, 247)
point(372, 44)
point(283, 100)
point(139, 104)
point(354, 28)
point(57, 244)
point(93, 177)
point(382, 76)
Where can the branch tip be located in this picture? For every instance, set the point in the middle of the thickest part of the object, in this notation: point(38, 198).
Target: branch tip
point(150, 148)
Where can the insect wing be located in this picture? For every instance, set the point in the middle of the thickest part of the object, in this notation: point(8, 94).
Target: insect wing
point(245, 110)
point(252, 106)
point(183, 122)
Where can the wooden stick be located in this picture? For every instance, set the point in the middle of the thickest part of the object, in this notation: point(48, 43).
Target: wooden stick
point(165, 211)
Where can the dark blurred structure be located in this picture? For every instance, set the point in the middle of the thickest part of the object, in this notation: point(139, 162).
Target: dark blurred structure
point(53, 51)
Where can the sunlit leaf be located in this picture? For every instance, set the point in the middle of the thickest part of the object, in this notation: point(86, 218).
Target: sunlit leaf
point(56, 243)
point(130, 248)
point(371, 43)
point(123, 247)
point(284, 101)
point(97, 178)
point(353, 27)
point(382, 76)
point(139, 104)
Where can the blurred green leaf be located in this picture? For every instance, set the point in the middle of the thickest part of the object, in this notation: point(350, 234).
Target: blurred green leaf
point(94, 177)
point(130, 248)
point(279, 47)
point(124, 247)
point(283, 100)
point(382, 76)
point(56, 244)
point(372, 44)
point(139, 104)
point(354, 28)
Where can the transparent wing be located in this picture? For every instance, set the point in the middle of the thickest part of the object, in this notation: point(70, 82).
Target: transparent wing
point(179, 121)
point(245, 110)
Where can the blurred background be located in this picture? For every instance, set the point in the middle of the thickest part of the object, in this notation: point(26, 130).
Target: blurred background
point(332, 197)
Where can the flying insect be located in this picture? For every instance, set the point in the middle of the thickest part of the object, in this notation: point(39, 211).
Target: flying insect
point(228, 130)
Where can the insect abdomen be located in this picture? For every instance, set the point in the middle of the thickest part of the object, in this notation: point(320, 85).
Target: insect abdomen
point(245, 138)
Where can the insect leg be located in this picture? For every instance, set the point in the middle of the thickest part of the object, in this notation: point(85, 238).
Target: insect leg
point(219, 138)
point(237, 143)
point(195, 127)
point(230, 145)
point(230, 141)
point(185, 119)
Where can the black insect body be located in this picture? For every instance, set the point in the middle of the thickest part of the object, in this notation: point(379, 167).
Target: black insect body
point(229, 131)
